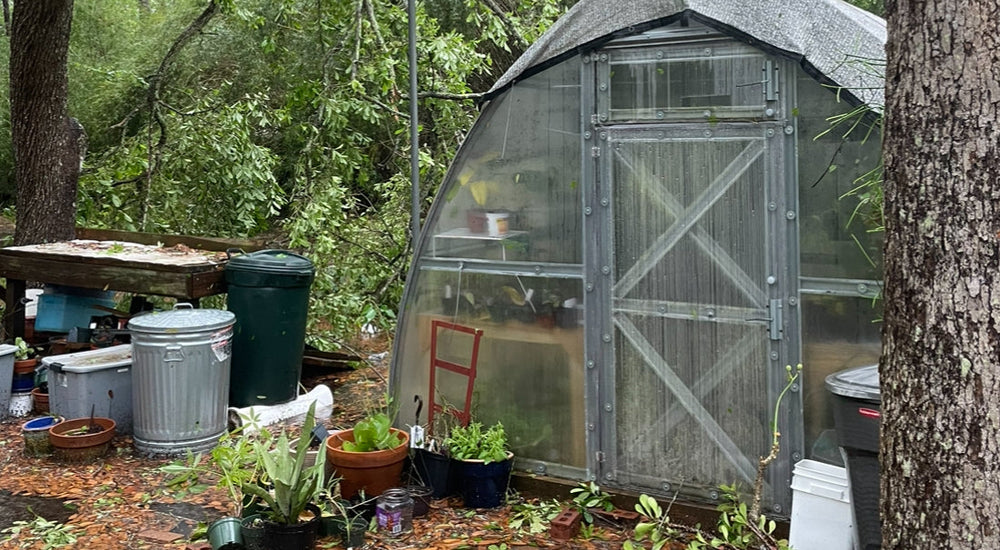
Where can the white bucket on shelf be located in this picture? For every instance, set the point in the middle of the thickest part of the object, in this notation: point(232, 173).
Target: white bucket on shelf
point(496, 223)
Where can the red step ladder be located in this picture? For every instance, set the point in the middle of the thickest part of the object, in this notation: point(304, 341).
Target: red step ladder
point(469, 371)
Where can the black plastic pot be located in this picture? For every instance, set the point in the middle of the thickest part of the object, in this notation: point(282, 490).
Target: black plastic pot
point(434, 471)
point(253, 533)
point(295, 536)
point(421, 496)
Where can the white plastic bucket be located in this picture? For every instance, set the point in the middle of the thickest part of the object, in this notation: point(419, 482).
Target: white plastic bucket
point(821, 508)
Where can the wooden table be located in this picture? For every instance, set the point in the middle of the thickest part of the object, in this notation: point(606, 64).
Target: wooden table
point(164, 269)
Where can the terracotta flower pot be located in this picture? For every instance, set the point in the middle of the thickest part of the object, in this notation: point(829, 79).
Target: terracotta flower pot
point(69, 446)
point(40, 400)
point(373, 471)
point(24, 366)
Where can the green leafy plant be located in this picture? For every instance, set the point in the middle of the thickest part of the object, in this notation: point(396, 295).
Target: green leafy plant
point(587, 496)
point(473, 443)
point(293, 485)
point(373, 433)
point(50, 534)
point(534, 518)
point(233, 460)
point(736, 529)
point(655, 528)
point(23, 351)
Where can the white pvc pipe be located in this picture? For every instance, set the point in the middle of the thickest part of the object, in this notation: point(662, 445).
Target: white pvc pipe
point(255, 417)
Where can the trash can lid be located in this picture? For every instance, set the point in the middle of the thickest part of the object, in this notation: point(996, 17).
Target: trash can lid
point(182, 319)
point(859, 382)
point(271, 261)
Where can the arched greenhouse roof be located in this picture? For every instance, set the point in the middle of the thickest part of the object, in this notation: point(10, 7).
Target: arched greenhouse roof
point(835, 42)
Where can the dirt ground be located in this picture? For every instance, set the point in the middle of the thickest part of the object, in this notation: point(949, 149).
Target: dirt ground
point(121, 502)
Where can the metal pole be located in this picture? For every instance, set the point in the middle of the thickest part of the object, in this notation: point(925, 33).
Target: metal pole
point(414, 124)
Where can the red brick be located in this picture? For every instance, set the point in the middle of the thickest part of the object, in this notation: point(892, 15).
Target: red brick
point(566, 525)
point(163, 537)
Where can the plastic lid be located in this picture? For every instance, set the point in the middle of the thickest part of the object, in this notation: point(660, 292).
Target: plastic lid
point(6, 349)
point(271, 261)
point(91, 360)
point(182, 319)
point(859, 382)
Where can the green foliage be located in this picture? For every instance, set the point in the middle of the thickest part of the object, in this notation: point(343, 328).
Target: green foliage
point(373, 433)
point(654, 529)
point(588, 495)
point(233, 461)
point(49, 534)
point(292, 485)
point(736, 529)
point(286, 118)
point(533, 517)
point(473, 443)
point(22, 350)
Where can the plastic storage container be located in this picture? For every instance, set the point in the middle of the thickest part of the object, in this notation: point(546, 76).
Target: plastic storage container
point(60, 310)
point(180, 379)
point(269, 294)
point(821, 508)
point(856, 413)
point(97, 382)
point(6, 376)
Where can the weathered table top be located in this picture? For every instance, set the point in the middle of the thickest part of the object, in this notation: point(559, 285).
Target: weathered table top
point(177, 271)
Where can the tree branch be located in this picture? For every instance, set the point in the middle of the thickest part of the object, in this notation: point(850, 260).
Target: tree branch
point(507, 23)
point(446, 95)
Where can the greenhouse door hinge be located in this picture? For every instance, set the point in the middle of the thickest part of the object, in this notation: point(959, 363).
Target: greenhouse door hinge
point(774, 324)
point(599, 456)
point(595, 152)
point(770, 81)
point(774, 328)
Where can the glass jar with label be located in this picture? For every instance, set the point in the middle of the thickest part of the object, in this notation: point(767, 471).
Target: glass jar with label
point(394, 512)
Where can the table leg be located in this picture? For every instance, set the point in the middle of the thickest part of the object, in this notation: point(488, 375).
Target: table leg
point(13, 318)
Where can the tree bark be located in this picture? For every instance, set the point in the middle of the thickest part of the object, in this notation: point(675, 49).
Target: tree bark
point(46, 149)
point(940, 432)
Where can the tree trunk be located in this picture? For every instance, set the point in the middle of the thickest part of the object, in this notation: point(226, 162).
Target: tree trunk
point(940, 438)
point(46, 149)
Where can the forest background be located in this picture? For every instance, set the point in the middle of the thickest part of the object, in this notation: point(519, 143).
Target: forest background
point(281, 119)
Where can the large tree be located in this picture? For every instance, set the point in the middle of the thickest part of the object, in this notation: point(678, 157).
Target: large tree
point(47, 142)
point(940, 454)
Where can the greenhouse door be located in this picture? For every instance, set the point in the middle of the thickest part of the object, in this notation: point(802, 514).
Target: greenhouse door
point(692, 311)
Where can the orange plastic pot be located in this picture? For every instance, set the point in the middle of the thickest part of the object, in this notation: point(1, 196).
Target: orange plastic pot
point(373, 471)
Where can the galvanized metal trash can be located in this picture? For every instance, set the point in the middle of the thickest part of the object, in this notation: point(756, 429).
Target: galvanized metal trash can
point(269, 293)
point(180, 379)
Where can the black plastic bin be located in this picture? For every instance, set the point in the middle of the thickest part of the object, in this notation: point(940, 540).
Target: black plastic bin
point(856, 412)
point(269, 293)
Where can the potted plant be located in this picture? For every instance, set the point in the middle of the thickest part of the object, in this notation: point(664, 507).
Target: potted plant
point(484, 463)
point(234, 462)
point(292, 518)
point(25, 357)
point(369, 456)
point(344, 519)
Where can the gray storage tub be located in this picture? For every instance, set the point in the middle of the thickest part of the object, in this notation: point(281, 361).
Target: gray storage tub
point(97, 381)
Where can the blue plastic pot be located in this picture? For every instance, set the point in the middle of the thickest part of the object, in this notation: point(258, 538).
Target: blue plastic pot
point(485, 485)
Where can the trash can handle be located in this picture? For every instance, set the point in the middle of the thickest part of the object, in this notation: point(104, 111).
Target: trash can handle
point(231, 251)
point(56, 367)
point(183, 305)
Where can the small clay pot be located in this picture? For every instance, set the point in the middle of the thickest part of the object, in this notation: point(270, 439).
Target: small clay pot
point(85, 447)
point(24, 366)
point(40, 400)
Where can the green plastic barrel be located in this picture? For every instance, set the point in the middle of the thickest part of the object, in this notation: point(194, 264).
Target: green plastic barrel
point(269, 293)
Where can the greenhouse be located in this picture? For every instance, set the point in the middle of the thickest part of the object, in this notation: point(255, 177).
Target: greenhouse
point(651, 219)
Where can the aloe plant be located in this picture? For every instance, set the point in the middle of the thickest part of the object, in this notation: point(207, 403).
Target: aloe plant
point(294, 486)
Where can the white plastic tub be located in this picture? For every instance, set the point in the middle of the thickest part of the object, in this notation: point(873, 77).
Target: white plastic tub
point(821, 508)
point(98, 381)
point(6, 377)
